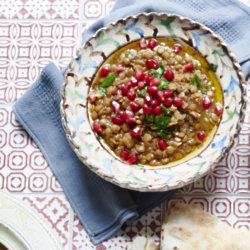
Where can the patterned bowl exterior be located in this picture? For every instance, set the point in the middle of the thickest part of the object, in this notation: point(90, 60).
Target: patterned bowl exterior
point(74, 108)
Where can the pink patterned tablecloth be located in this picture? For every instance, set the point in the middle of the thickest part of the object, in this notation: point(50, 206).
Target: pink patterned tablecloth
point(36, 32)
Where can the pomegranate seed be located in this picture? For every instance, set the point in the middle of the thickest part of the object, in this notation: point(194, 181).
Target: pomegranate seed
point(152, 43)
point(206, 102)
point(169, 75)
point(149, 79)
point(130, 120)
point(157, 110)
point(177, 101)
point(129, 113)
point(123, 114)
point(128, 117)
point(91, 97)
point(97, 127)
point(201, 136)
point(177, 48)
point(131, 94)
point(152, 64)
point(136, 131)
point(132, 159)
point(118, 92)
point(152, 90)
point(133, 81)
point(124, 89)
point(104, 71)
point(154, 103)
point(168, 102)
point(162, 144)
point(118, 69)
point(129, 84)
point(188, 67)
point(147, 98)
point(160, 95)
point(168, 93)
point(124, 154)
point(141, 84)
point(218, 109)
point(139, 74)
point(147, 109)
point(135, 106)
point(117, 120)
point(143, 43)
point(154, 81)
point(145, 77)
point(116, 106)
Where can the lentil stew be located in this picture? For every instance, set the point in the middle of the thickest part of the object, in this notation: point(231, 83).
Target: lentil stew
point(154, 101)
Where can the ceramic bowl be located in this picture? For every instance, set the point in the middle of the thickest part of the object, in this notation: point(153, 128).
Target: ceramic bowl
point(93, 152)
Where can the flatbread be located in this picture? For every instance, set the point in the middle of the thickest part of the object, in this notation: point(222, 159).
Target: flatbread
point(142, 243)
point(188, 227)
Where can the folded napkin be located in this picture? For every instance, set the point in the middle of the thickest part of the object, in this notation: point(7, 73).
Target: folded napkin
point(101, 206)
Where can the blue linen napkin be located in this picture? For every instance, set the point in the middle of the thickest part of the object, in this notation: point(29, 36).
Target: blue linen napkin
point(101, 206)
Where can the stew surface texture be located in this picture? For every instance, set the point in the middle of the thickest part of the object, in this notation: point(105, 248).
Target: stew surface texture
point(154, 101)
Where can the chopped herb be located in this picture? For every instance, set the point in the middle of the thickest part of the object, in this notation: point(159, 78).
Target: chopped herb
point(175, 93)
point(141, 93)
point(166, 110)
point(162, 134)
point(203, 89)
point(161, 122)
point(108, 80)
point(165, 132)
point(163, 84)
point(149, 118)
point(197, 82)
point(159, 72)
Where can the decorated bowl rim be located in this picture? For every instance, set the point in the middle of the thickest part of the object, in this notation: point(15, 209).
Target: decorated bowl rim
point(233, 137)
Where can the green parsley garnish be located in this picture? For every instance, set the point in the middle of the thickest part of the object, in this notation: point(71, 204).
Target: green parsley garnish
point(163, 84)
point(159, 72)
point(149, 118)
point(162, 134)
point(197, 82)
point(141, 93)
point(108, 80)
point(161, 122)
point(165, 110)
